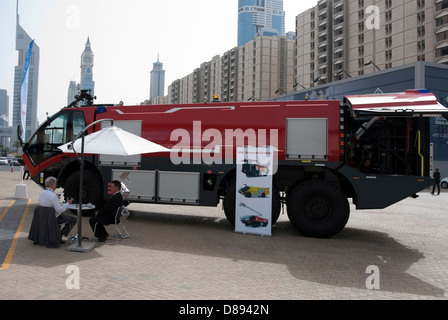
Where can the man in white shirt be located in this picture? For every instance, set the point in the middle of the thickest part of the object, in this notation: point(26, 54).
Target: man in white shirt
point(48, 198)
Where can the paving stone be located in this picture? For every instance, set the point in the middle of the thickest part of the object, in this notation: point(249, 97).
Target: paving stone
point(192, 253)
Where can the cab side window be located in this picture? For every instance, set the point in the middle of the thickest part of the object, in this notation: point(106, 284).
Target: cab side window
point(62, 129)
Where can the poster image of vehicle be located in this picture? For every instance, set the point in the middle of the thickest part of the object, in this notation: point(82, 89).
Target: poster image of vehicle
point(253, 169)
point(254, 192)
point(253, 201)
point(254, 221)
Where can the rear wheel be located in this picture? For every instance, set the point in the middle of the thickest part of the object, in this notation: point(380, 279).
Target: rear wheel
point(229, 205)
point(317, 209)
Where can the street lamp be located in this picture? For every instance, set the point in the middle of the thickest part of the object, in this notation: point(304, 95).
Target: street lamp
point(371, 62)
point(342, 71)
point(298, 84)
point(280, 90)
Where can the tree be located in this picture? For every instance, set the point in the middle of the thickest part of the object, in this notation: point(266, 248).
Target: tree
point(17, 145)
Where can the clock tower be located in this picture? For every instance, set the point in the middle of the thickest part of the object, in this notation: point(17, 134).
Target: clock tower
point(87, 62)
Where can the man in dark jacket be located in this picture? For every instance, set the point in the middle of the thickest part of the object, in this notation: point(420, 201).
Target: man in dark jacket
point(106, 215)
point(436, 177)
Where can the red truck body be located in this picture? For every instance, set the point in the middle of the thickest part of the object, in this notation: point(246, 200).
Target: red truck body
point(373, 149)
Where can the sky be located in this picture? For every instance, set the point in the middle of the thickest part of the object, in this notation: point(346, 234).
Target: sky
point(126, 36)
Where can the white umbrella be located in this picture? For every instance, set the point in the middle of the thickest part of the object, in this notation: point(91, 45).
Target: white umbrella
point(113, 141)
point(109, 141)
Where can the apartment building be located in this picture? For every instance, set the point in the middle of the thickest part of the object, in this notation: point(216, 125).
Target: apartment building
point(198, 86)
point(265, 68)
point(257, 70)
point(338, 39)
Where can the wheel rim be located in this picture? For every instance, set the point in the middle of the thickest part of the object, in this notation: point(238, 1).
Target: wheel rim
point(317, 209)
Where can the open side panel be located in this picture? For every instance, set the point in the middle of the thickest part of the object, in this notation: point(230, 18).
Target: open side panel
point(409, 103)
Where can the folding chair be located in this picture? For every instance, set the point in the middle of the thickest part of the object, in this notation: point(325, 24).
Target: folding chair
point(121, 217)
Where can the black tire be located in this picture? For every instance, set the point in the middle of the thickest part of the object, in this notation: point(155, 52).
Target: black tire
point(317, 209)
point(92, 188)
point(444, 184)
point(229, 205)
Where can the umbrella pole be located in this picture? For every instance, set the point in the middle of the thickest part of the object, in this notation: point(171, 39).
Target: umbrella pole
point(89, 246)
point(81, 184)
point(83, 246)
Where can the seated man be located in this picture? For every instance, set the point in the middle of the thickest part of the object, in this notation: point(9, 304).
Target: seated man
point(106, 215)
point(48, 198)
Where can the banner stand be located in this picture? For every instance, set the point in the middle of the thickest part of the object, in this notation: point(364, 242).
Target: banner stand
point(253, 207)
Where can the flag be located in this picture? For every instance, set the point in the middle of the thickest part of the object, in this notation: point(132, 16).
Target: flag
point(24, 92)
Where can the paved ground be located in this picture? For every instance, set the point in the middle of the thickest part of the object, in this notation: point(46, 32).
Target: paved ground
point(192, 253)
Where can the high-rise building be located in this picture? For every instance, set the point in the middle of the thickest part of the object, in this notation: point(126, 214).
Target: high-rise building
point(257, 70)
point(260, 17)
point(23, 41)
point(157, 80)
point(87, 63)
point(73, 90)
point(345, 38)
point(5, 130)
point(4, 108)
point(265, 68)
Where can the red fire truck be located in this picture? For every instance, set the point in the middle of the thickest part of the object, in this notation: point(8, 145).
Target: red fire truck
point(254, 170)
point(373, 149)
point(254, 221)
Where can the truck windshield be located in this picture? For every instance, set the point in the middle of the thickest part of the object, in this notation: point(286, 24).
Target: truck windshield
point(62, 128)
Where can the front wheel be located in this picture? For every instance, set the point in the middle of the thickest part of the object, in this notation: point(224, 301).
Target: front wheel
point(92, 191)
point(317, 209)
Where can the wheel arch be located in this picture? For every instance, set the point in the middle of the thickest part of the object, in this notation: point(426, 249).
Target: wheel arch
point(226, 182)
point(300, 175)
point(74, 166)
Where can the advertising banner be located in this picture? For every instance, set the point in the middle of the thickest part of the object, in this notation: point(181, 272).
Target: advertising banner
point(254, 190)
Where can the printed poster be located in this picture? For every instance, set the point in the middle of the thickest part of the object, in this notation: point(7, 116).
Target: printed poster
point(253, 207)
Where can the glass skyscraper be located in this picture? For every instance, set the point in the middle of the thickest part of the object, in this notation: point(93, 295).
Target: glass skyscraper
point(23, 41)
point(157, 80)
point(260, 17)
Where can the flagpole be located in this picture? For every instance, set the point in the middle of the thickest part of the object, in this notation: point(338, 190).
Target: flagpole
point(21, 190)
point(24, 92)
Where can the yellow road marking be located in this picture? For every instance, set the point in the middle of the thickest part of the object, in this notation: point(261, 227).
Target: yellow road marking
point(7, 209)
point(11, 250)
